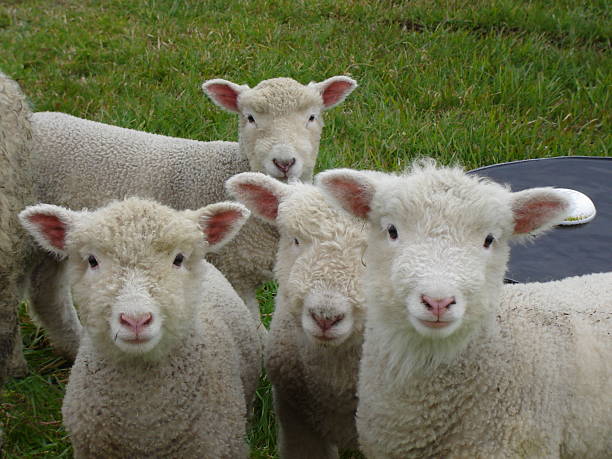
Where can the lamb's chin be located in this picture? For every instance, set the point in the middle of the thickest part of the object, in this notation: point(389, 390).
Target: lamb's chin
point(435, 330)
point(327, 340)
point(132, 345)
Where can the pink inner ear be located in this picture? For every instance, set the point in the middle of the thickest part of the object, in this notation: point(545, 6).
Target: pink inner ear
point(264, 202)
point(335, 92)
point(218, 225)
point(51, 227)
point(533, 215)
point(224, 95)
point(352, 195)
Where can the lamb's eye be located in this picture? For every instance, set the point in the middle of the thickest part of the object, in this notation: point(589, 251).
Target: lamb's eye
point(392, 232)
point(250, 119)
point(312, 118)
point(295, 241)
point(92, 261)
point(178, 260)
point(488, 241)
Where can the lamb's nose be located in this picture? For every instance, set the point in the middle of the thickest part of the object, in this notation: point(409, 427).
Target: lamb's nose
point(284, 164)
point(326, 323)
point(136, 322)
point(439, 305)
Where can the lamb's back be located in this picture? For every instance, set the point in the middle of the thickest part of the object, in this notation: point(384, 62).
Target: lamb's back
point(81, 163)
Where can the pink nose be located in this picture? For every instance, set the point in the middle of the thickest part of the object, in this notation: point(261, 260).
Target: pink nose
point(326, 323)
point(438, 306)
point(136, 323)
point(284, 165)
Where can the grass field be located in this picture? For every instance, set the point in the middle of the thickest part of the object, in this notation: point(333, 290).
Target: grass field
point(476, 82)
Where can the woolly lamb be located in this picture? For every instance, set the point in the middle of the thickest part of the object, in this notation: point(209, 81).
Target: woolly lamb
point(170, 356)
point(80, 163)
point(15, 193)
point(314, 346)
point(454, 363)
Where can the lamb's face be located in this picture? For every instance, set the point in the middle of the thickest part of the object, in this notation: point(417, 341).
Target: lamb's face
point(136, 267)
point(280, 121)
point(438, 244)
point(319, 265)
point(437, 252)
point(284, 147)
point(134, 274)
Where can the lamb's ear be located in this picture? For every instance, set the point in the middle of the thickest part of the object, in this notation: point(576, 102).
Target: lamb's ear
point(221, 221)
point(538, 209)
point(335, 89)
point(49, 226)
point(351, 189)
point(259, 192)
point(224, 93)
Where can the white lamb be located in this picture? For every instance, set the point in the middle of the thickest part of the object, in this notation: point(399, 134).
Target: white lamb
point(16, 192)
point(314, 345)
point(170, 356)
point(455, 364)
point(80, 163)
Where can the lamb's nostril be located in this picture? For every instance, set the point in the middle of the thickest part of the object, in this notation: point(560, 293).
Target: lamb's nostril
point(337, 319)
point(147, 320)
point(125, 320)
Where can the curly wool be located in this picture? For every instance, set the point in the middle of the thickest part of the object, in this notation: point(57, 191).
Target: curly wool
point(187, 174)
point(189, 394)
point(279, 96)
point(315, 384)
point(530, 384)
point(204, 391)
point(16, 192)
point(496, 371)
point(318, 270)
point(80, 163)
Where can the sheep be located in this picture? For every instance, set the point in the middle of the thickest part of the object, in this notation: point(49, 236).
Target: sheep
point(169, 357)
point(80, 163)
point(16, 192)
point(313, 349)
point(455, 364)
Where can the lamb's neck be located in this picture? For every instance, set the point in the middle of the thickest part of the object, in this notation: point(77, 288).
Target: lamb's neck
point(408, 354)
point(332, 361)
point(110, 355)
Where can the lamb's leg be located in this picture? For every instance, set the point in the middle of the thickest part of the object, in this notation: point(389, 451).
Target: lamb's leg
point(18, 367)
point(296, 439)
point(8, 329)
point(51, 305)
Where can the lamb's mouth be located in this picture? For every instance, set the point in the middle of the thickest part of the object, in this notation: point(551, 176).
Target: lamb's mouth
point(325, 338)
point(285, 178)
point(137, 340)
point(436, 324)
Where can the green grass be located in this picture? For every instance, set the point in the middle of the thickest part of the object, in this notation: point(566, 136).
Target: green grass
point(474, 82)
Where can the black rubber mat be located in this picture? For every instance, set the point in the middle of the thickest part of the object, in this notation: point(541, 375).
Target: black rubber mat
point(566, 250)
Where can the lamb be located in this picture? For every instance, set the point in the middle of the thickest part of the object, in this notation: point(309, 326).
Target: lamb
point(170, 356)
point(314, 346)
point(16, 192)
point(455, 364)
point(80, 163)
